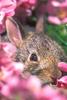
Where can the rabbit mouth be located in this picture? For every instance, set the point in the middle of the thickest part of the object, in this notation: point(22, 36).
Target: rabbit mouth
point(36, 71)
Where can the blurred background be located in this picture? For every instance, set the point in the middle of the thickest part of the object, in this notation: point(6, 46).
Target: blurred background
point(28, 11)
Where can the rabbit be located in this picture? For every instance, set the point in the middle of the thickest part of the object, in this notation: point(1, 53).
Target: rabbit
point(39, 53)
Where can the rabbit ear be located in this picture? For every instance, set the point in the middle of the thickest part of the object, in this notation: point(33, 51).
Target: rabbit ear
point(40, 24)
point(13, 32)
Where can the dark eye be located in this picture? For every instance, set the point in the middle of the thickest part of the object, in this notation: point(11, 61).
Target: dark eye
point(33, 57)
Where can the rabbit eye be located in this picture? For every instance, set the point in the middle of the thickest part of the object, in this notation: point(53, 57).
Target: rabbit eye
point(33, 57)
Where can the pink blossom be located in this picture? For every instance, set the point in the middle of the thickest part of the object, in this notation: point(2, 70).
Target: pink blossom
point(10, 72)
point(10, 81)
point(48, 93)
point(27, 3)
point(7, 52)
point(8, 48)
point(17, 68)
point(24, 9)
point(34, 85)
point(2, 27)
point(62, 66)
point(59, 97)
point(57, 11)
point(62, 82)
point(7, 8)
point(59, 3)
point(54, 19)
point(5, 90)
point(13, 84)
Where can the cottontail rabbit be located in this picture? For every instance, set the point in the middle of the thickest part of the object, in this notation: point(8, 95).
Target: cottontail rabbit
point(36, 50)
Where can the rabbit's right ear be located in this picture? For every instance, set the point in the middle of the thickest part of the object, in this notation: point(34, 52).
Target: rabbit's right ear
point(40, 24)
point(13, 32)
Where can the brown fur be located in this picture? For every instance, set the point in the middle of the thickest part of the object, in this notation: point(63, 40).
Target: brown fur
point(47, 53)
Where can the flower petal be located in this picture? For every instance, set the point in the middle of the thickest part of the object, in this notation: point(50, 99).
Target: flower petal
point(62, 82)
point(62, 66)
point(54, 20)
point(64, 20)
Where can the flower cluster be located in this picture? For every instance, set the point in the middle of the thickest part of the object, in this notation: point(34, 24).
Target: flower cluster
point(14, 85)
point(7, 9)
point(63, 81)
point(57, 10)
point(26, 5)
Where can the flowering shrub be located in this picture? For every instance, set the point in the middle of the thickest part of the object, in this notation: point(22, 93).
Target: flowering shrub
point(14, 85)
point(62, 82)
point(24, 9)
point(7, 9)
point(57, 13)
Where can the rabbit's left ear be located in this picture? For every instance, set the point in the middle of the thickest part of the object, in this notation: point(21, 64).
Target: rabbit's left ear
point(13, 32)
point(40, 24)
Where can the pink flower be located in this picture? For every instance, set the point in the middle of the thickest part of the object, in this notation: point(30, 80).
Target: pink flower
point(62, 66)
point(59, 97)
point(13, 83)
point(28, 4)
point(10, 72)
point(10, 78)
point(34, 85)
point(57, 11)
point(8, 48)
point(7, 52)
point(17, 68)
point(2, 27)
point(7, 8)
point(62, 82)
point(48, 93)
point(5, 91)
point(24, 9)
point(59, 3)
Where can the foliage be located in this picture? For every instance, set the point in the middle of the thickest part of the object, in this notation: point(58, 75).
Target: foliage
point(58, 33)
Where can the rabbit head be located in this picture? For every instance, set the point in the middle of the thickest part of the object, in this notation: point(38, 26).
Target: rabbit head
point(36, 50)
